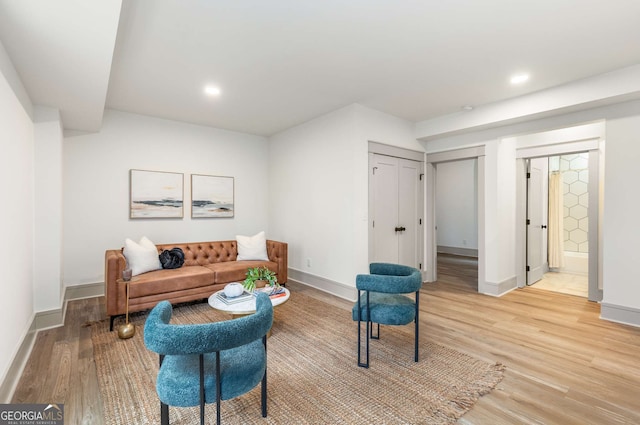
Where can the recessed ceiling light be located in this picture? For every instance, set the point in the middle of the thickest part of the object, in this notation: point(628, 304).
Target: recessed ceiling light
point(519, 78)
point(212, 91)
point(467, 108)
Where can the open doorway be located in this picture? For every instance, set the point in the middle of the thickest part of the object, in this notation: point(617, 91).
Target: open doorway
point(457, 218)
point(558, 223)
point(477, 154)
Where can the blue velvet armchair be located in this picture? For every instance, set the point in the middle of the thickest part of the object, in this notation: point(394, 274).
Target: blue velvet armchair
point(381, 301)
point(209, 362)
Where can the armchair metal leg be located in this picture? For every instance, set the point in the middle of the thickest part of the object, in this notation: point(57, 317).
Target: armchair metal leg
point(377, 335)
point(201, 389)
point(367, 324)
point(164, 408)
point(263, 389)
point(164, 414)
point(218, 388)
point(417, 320)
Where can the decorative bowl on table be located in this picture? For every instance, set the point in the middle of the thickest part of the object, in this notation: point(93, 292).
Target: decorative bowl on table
point(233, 289)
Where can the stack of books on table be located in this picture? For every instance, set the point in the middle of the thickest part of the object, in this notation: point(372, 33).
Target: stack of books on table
point(272, 292)
point(245, 296)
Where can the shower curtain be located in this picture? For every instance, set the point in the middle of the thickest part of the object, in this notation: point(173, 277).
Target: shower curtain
point(556, 218)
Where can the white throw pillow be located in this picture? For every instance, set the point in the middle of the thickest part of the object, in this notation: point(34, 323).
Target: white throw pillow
point(141, 257)
point(252, 247)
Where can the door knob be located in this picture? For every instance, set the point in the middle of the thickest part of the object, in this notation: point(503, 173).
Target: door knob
point(544, 226)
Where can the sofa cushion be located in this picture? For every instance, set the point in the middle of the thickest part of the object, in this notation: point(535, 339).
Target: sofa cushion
point(252, 247)
point(170, 280)
point(141, 257)
point(236, 271)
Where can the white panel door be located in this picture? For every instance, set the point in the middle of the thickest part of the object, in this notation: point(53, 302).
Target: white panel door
point(395, 210)
point(385, 204)
point(535, 225)
point(408, 208)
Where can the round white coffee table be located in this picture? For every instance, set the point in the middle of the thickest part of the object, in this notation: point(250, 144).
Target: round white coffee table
point(245, 307)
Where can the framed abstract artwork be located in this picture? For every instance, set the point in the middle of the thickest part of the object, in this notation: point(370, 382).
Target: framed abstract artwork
point(156, 194)
point(211, 196)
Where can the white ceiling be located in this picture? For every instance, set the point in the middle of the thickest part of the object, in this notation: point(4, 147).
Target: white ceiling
point(282, 62)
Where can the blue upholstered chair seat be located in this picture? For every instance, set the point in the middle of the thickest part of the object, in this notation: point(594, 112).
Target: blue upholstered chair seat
point(386, 309)
point(381, 301)
point(241, 368)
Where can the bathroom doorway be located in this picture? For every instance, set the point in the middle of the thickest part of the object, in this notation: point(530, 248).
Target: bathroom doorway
point(558, 223)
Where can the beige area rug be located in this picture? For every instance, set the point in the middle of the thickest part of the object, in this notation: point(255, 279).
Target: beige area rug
point(313, 377)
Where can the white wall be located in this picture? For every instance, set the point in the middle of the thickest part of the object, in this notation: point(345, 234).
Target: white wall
point(456, 204)
point(312, 191)
point(16, 222)
point(96, 186)
point(319, 189)
point(500, 236)
point(621, 285)
point(48, 283)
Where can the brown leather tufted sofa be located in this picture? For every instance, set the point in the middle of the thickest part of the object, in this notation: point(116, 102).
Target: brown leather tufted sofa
point(208, 267)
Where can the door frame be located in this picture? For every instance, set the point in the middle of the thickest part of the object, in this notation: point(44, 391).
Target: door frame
point(377, 148)
point(595, 148)
point(476, 152)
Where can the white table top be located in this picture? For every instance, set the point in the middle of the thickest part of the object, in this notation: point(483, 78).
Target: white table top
point(245, 307)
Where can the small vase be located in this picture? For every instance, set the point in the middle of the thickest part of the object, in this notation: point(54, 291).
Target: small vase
point(233, 289)
point(261, 283)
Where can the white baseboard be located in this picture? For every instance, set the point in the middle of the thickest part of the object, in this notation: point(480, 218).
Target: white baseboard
point(11, 379)
point(465, 252)
point(54, 318)
point(88, 290)
point(620, 314)
point(326, 285)
point(498, 289)
point(40, 321)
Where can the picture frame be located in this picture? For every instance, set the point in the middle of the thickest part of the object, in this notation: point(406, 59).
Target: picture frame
point(156, 194)
point(212, 196)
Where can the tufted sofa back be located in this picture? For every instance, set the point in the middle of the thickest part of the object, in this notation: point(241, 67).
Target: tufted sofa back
point(203, 253)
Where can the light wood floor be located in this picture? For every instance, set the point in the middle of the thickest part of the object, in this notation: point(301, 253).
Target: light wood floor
point(564, 364)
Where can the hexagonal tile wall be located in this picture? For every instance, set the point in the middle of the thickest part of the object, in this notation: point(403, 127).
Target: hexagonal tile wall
point(575, 176)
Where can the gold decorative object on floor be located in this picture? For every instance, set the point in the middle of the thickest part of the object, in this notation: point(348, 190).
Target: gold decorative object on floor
point(127, 330)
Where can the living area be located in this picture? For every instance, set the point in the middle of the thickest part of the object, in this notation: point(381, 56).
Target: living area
point(298, 155)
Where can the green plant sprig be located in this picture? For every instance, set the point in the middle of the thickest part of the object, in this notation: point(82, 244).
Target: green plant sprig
point(259, 273)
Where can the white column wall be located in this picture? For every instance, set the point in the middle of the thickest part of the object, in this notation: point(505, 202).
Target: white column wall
point(500, 192)
point(48, 283)
point(621, 205)
point(505, 211)
point(16, 222)
point(96, 186)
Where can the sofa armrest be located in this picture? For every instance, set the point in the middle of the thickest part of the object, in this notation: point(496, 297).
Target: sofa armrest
point(278, 253)
point(115, 295)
